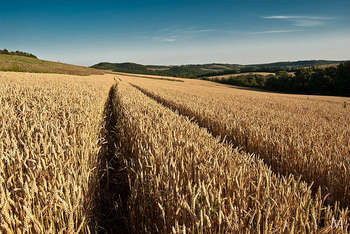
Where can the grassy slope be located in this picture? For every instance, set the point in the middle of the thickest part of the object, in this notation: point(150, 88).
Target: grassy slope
point(27, 64)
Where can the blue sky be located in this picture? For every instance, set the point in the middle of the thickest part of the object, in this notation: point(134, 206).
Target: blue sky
point(177, 32)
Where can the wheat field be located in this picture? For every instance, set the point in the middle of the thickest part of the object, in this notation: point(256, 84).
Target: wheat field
point(135, 155)
point(306, 136)
point(49, 128)
point(184, 180)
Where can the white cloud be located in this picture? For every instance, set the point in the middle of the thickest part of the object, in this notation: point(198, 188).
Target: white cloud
point(279, 17)
point(199, 31)
point(169, 39)
point(298, 17)
point(301, 21)
point(308, 23)
point(276, 31)
point(172, 35)
point(165, 39)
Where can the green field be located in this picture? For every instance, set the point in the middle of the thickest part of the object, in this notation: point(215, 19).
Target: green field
point(27, 64)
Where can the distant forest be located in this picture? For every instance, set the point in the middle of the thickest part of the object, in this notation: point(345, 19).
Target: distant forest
point(19, 53)
point(306, 77)
point(333, 80)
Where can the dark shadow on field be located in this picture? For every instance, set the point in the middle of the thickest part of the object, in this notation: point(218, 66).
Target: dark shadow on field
point(176, 79)
point(250, 88)
point(111, 213)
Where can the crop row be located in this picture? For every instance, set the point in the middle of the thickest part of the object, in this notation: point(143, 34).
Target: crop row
point(182, 179)
point(307, 137)
point(49, 152)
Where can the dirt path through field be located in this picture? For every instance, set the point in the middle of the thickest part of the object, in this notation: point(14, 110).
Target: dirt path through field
point(112, 211)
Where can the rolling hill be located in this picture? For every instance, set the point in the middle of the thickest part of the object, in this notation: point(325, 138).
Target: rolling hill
point(188, 71)
point(206, 70)
point(31, 64)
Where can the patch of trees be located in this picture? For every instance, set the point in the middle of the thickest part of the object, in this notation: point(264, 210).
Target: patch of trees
point(271, 69)
point(327, 81)
point(251, 80)
point(19, 53)
point(186, 71)
point(122, 67)
point(219, 73)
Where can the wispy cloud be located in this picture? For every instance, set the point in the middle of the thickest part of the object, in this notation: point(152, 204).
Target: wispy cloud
point(175, 34)
point(169, 39)
point(301, 21)
point(165, 39)
point(308, 23)
point(297, 17)
point(198, 31)
point(276, 31)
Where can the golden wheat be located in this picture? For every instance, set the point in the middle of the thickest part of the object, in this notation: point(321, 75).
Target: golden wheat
point(181, 178)
point(184, 180)
point(294, 134)
point(49, 130)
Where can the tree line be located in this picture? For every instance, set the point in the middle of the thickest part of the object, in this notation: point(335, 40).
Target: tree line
point(19, 53)
point(324, 81)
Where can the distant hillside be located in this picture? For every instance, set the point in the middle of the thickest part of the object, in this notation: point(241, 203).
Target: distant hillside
point(305, 63)
point(189, 71)
point(122, 67)
point(207, 70)
point(30, 64)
